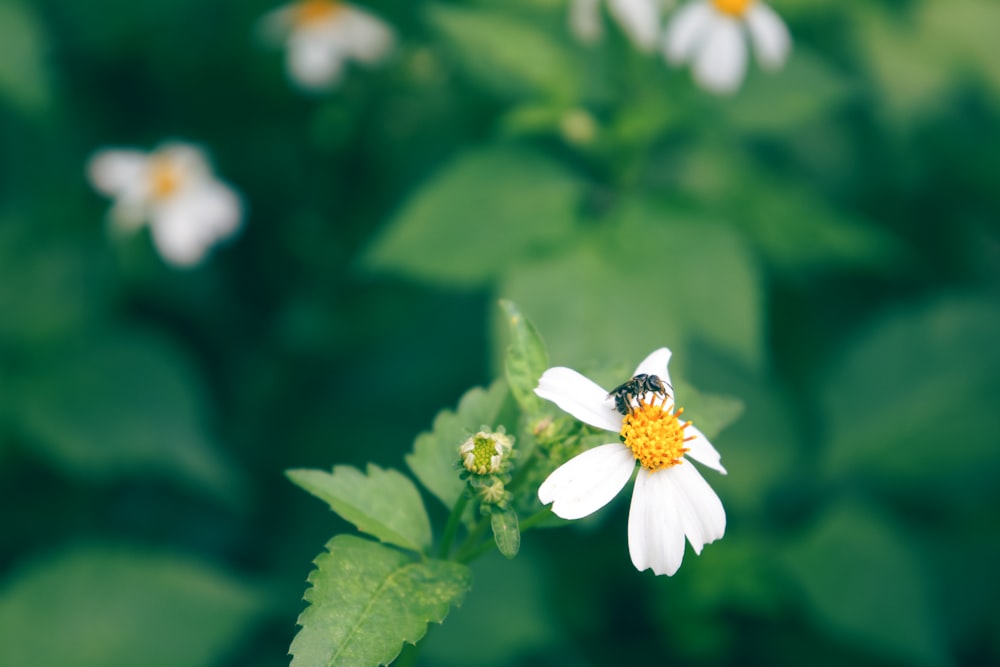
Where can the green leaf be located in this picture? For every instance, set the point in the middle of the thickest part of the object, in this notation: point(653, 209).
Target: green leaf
point(802, 93)
point(912, 403)
point(52, 287)
point(435, 453)
point(23, 72)
point(860, 581)
point(711, 413)
point(367, 599)
point(478, 215)
point(103, 606)
point(526, 358)
point(505, 531)
point(650, 278)
point(122, 404)
point(384, 503)
point(511, 57)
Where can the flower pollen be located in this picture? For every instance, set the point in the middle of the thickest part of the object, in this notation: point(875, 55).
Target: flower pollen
point(483, 453)
point(164, 178)
point(655, 435)
point(734, 8)
point(310, 12)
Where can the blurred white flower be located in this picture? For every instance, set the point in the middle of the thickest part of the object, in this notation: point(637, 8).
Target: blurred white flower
point(710, 34)
point(640, 19)
point(173, 190)
point(670, 500)
point(322, 35)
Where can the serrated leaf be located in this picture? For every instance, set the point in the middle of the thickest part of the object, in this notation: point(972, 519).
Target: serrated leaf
point(860, 582)
point(526, 358)
point(384, 503)
point(912, 404)
point(102, 606)
point(506, 533)
point(510, 56)
point(121, 404)
point(435, 453)
point(367, 599)
point(476, 216)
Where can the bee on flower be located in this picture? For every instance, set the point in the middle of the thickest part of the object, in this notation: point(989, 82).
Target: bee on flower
point(670, 499)
point(712, 36)
point(321, 36)
point(639, 19)
point(173, 190)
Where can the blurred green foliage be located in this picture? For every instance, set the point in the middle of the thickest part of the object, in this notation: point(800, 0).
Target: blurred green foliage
point(824, 246)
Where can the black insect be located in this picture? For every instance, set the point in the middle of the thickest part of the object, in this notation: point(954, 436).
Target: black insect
point(635, 389)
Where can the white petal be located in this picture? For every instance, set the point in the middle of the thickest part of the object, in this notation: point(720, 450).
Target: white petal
point(366, 37)
point(656, 364)
point(686, 31)
point(769, 35)
point(588, 481)
point(640, 19)
point(699, 507)
point(579, 396)
point(220, 209)
point(313, 61)
point(655, 528)
point(113, 171)
point(721, 61)
point(188, 159)
point(585, 20)
point(701, 450)
point(179, 233)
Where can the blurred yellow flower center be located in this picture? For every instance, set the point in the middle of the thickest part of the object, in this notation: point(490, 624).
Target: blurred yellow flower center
point(732, 7)
point(165, 178)
point(307, 12)
point(655, 435)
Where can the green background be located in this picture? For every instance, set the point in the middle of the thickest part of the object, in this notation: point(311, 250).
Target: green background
point(825, 245)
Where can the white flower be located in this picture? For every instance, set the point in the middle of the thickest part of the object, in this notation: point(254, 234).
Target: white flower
point(670, 500)
point(174, 191)
point(640, 19)
point(711, 35)
point(322, 35)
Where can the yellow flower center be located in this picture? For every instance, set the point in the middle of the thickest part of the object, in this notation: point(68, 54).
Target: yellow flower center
point(655, 435)
point(308, 12)
point(164, 177)
point(732, 7)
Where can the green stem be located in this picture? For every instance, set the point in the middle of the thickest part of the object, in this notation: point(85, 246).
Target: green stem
point(535, 519)
point(475, 535)
point(450, 528)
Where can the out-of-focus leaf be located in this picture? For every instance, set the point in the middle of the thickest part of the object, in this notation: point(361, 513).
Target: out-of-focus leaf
point(711, 413)
point(122, 404)
point(50, 287)
point(367, 599)
point(805, 91)
point(654, 279)
point(913, 402)
point(860, 581)
point(800, 234)
point(24, 77)
point(435, 453)
point(510, 56)
point(102, 606)
point(481, 213)
point(526, 358)
point(917, 58)
point(506, 533)
point(383, 503)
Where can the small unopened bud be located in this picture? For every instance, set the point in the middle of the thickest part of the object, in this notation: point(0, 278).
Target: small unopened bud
point(485, 452)
point(578, 127)
point(493, 493)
